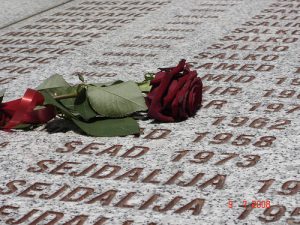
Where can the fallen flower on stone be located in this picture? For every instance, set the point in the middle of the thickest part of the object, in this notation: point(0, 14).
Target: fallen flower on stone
point(108, 109)
point(176, 94)
point(22, 111)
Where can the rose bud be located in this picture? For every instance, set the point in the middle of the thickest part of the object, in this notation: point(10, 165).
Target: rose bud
point(176, 93)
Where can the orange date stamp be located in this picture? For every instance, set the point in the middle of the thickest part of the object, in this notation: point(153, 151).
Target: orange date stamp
point(263, 204)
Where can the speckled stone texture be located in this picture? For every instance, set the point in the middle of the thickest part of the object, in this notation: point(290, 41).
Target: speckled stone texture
point(12, 11)
point(243, 144)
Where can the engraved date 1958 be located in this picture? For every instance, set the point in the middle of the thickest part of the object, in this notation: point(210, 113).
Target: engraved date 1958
point(236, 140)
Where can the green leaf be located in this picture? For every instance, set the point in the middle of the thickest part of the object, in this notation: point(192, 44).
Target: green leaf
point(49, 99)
point(2, 92)
point(107, 83)
point(69, 92)
point(81, 78)
point(83, 107)
point(62, 91)
point(53, 82)
point(149, 76)
point(117, 100)
point(109, 127)
point(145, 86)
point(24, 126)
point(70, 104)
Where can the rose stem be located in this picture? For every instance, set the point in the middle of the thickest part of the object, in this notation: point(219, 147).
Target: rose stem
point(59, 97)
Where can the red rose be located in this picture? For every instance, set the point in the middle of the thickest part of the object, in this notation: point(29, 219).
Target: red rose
point(5, 114)
point(3, 119)
point(175, 95)
point(22, 111)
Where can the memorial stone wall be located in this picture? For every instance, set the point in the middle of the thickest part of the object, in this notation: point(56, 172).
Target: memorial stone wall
point(235, 162)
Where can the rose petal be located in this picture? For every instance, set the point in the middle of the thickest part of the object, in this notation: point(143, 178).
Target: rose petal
point(152, 93)
point(11, 107)
point(199, 92)
point(40, 116)
point(193, 100)
point(155, 109)
point(181, 64)
point(179, 68)
point(187, 67)
point(148, 101)
point(175, 107)
point(4, 118)
point(184, 92)
point(195, 96)
point(173, 90)
point(178, 109)
point(157, 78)
point(156, 114)
point(166, 69)
point(182, 107)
